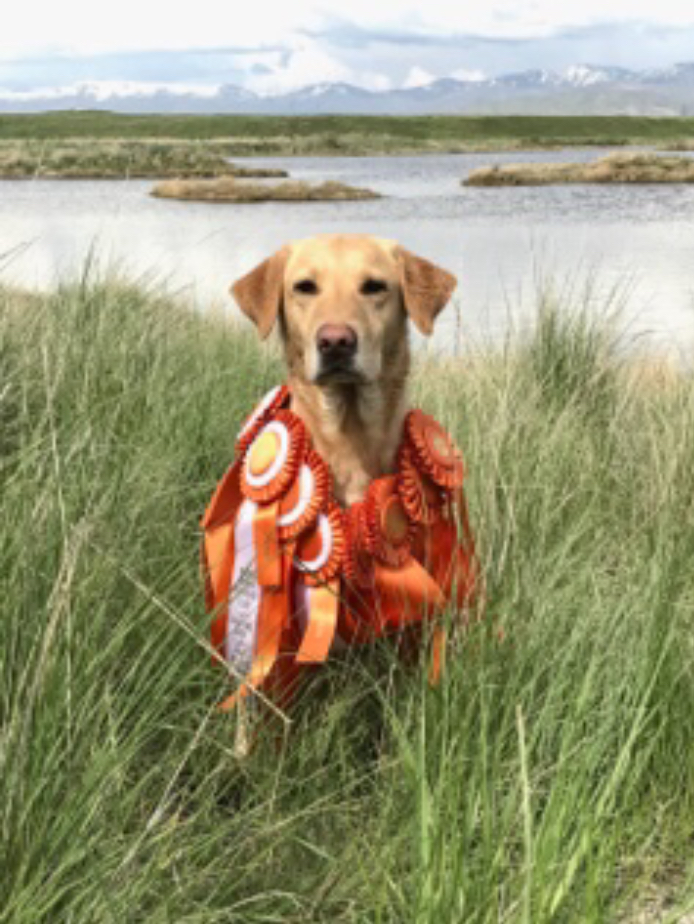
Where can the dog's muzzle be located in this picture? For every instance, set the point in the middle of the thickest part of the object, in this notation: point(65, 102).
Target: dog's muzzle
point(337, 346)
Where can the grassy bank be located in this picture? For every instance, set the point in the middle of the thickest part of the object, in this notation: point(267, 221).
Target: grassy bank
point(549, 779)
point(614, 168)
point(326, 135)
point(228, 189)
point(118, 159)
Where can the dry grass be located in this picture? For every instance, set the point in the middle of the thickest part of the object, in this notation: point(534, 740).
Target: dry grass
point(652, 374)
point(120, 159)
point(227, 189)
point(614, 168)
point(375, 143)
point(684, 144)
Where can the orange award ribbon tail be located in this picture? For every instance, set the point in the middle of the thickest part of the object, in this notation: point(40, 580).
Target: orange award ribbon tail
point(218, 550)
point(322, 605)
point(270, 574)
point(267, 546)
point(438, 655)
point(411, 585)
point(226, 499)
point(271, 622)
point(218, 563)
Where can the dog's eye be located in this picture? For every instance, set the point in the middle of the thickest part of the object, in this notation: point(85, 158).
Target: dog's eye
point(306, 287)
point(373, 287)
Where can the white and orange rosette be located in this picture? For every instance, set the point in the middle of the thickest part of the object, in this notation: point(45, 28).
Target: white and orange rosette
point(288, 570)
point(308, 495)
point(273, 459)
point(275, 399)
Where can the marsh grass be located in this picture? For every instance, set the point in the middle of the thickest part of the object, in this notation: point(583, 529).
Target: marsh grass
point(613, 168)
point(550, 776)
point(344, 135)
point(229, 189)
point(93, 158)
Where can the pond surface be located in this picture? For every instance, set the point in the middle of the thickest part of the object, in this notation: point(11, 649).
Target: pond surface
point(599, 245)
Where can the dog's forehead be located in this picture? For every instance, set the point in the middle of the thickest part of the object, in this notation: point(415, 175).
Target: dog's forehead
point(343, 253)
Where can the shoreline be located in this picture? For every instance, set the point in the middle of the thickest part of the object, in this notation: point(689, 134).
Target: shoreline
point(32, 167)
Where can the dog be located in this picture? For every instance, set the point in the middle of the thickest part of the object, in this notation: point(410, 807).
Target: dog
point(342, 517)
point(342, 304)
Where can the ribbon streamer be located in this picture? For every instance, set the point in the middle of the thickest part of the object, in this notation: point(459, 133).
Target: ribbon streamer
point(267, 546)
point(320, 606)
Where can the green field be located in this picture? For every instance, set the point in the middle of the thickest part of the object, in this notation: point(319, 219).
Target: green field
point(550, 778)
point(355, 134)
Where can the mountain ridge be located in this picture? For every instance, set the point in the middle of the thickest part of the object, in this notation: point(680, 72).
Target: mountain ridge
point(584, 89)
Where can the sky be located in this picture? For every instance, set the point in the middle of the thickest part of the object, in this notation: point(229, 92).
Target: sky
point(275, 46)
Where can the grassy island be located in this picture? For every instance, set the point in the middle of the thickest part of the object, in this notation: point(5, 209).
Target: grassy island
point(614, 168)
point(116, 159)
point(229, 189)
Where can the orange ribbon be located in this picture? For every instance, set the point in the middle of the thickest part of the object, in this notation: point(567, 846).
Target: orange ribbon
point(225, 501)
point(323, 603)
point(267, 547)
point(438, 655)
point(218, 550)
point(412, 586)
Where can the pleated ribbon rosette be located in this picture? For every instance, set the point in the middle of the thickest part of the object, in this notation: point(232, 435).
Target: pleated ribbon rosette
point(288, 571)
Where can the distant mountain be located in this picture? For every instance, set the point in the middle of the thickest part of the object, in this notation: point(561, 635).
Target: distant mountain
point(679, 75)
point(581, 89)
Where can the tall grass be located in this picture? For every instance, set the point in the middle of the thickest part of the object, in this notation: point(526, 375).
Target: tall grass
point(118, 159)
point(548, 778)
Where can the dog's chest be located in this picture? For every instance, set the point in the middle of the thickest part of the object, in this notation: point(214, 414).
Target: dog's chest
point(356, 457)
point(358, 441)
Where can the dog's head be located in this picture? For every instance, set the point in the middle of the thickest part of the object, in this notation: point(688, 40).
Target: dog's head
point(343, 303)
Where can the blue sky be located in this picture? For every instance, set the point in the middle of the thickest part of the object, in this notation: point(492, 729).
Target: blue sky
point(274, 47)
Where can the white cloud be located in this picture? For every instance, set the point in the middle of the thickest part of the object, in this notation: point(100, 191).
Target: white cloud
point(305, 64)
point(83, 27)
point(418, 77)
point(90, 42)
point(377, 82)
point(101, 90)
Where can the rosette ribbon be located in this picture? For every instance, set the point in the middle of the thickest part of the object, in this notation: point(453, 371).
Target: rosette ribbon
point(287, 571)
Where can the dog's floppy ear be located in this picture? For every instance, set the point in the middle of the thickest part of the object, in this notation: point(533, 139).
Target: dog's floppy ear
point(259, 293)
point(426, 289)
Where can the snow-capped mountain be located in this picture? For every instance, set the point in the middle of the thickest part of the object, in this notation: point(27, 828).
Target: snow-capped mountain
point(680, 75)
point(580, 89)
point(583, 75)
point(529, 80)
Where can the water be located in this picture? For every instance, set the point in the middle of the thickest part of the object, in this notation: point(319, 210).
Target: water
point(627, 243)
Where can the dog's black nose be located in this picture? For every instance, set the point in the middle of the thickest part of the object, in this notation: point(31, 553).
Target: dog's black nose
point(336, 342)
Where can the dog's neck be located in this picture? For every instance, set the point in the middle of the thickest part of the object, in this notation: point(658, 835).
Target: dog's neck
point(355, 428)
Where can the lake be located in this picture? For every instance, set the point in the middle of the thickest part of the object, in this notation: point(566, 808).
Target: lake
point(594, 244)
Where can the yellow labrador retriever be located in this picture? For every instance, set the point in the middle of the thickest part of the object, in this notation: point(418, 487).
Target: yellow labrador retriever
point(342, 304)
